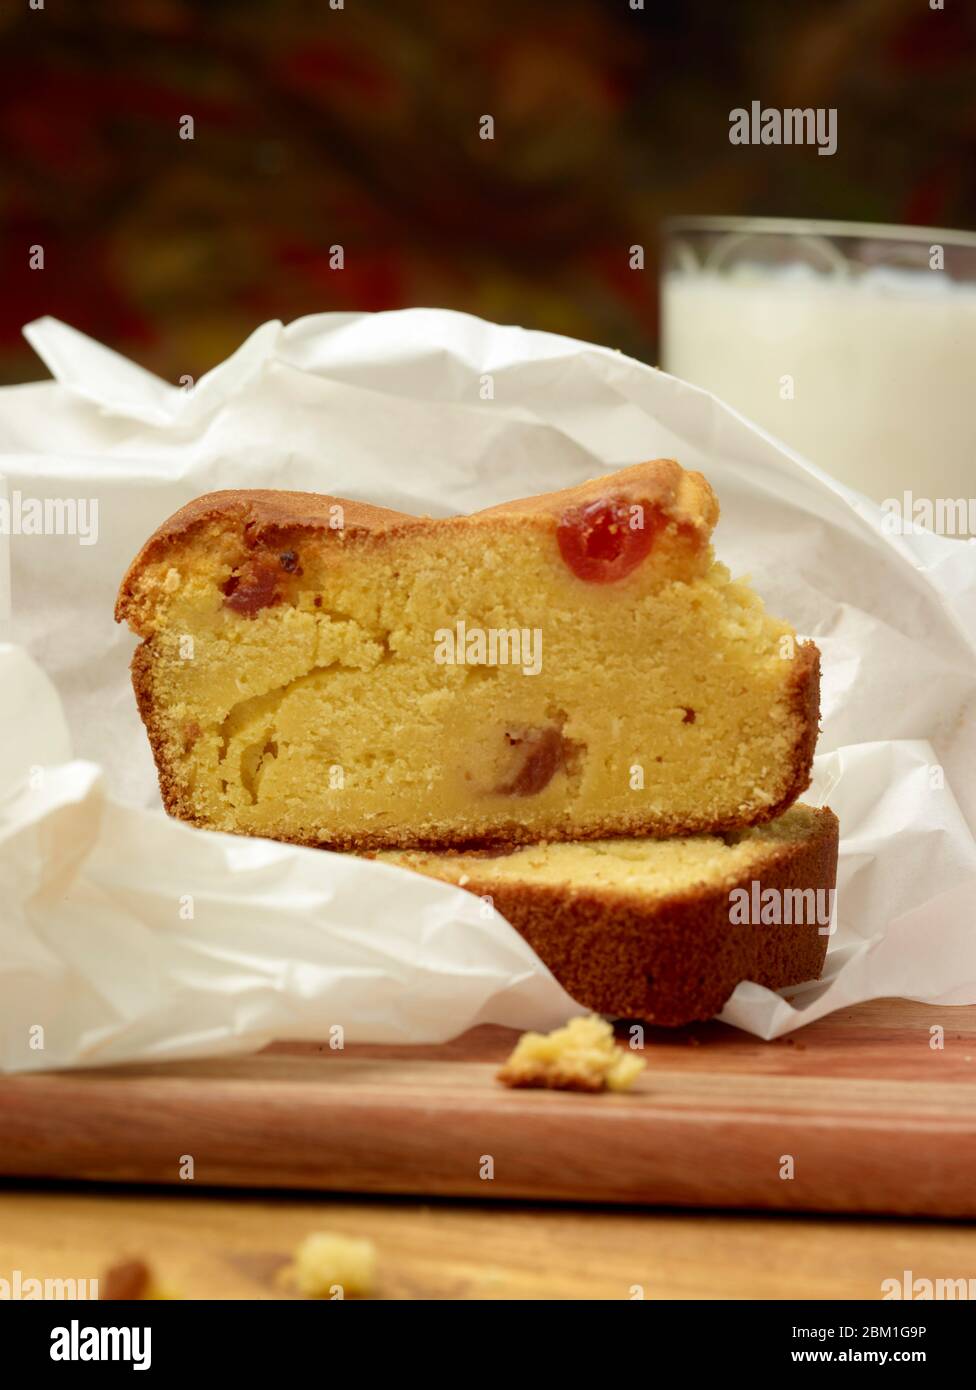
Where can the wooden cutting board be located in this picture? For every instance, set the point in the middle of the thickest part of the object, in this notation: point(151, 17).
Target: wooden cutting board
point(872, 1116)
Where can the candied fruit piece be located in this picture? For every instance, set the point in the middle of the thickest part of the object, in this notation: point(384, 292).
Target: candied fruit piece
point(254, 587)
point(543, 752)
point(607, 539)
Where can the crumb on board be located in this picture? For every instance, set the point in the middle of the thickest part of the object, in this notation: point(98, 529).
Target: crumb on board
point(328, 1265)
point(582, 1056)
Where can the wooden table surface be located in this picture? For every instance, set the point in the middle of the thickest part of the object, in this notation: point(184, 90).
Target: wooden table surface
point(229, 1246)
point(874, 1118)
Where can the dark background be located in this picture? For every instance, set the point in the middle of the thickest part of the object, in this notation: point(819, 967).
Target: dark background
point(360, 127)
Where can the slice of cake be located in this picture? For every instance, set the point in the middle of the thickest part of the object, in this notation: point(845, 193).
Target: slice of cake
point(664, 930)
point(571, 666)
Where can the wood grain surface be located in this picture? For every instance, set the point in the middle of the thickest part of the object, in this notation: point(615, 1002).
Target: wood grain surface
point(232, 1246)
point(871, 1116)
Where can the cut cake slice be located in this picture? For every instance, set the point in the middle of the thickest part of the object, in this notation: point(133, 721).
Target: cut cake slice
point(663, 930)
point(570, 666)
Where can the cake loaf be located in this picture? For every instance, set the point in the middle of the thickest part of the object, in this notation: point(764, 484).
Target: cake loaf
point(663, 930)
point(570, 666)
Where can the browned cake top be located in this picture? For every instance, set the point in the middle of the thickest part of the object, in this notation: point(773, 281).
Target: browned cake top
point(261, 512)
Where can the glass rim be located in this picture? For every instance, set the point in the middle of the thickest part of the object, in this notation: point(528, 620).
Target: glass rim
point(810, 226)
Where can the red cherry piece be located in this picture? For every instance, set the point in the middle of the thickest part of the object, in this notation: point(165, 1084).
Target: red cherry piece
point(607, 539)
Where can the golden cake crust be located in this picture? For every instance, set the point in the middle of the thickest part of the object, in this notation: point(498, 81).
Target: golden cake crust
point(265, 513)
point(670, 960)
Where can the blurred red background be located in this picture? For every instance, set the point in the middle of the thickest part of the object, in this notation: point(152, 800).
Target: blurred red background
point(359, 126)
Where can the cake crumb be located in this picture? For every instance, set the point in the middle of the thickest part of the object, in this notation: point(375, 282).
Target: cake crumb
point(582, 1056)
point(328, 1265)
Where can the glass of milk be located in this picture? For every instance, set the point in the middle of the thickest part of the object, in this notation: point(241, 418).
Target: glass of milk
point(855, 344)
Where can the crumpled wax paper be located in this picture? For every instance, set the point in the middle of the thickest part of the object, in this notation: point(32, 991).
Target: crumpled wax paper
point(423, 410)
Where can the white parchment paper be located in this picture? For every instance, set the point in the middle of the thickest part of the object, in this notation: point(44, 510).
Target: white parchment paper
point(423, 410)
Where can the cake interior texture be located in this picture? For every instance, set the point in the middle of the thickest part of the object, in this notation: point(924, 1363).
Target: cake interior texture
point(311, 683)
